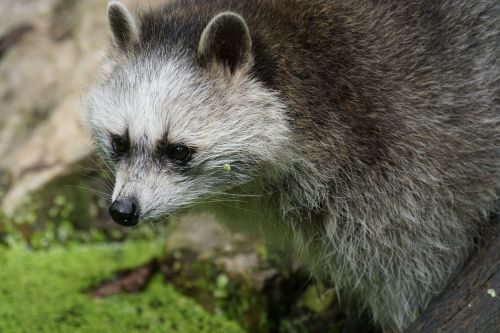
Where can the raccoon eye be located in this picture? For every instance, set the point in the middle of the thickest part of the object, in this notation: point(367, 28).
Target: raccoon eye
point(120, 145)
point(180, 153)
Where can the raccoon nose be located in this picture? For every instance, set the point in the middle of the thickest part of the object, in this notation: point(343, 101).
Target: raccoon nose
point(125, 212)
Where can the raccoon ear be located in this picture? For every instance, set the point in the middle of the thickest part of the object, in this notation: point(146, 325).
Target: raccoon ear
point(122, 24)
point(226, 40)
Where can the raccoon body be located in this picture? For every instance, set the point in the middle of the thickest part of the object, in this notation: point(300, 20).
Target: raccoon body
point(364, 135)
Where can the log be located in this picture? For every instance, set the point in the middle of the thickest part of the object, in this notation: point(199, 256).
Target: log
point(471, 302)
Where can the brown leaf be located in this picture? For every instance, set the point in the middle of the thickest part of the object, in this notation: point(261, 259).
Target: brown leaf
point(129, 280)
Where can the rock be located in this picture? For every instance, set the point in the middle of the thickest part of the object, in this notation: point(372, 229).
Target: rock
point(240, 264)
point(43, 72)
point(11, 37)
point(37, 162)
point(200, 233)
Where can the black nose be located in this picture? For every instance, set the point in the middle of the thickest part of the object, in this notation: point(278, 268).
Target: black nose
point(125, 212)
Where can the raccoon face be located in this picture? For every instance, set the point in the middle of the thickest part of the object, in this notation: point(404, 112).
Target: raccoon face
point(178, 133)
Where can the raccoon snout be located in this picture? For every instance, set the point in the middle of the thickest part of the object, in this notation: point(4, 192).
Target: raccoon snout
point(125, 212)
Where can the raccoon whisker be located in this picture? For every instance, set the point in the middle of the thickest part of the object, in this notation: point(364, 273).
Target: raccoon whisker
point(241, 195)
point(155, 217)
point(106, 179)
point(201, 202)
point(242, 209)
point(99, 161)
point(101, 194)
point(84, 169)
point(109, 167)
point(152, 225)
point(101, 181)
point(95, 160)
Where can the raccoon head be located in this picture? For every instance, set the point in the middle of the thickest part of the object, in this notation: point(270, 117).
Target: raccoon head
point(179, 127)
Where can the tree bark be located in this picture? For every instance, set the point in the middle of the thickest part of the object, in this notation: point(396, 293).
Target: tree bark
point(471, 302)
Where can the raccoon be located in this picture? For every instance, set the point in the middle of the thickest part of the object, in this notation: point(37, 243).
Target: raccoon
point(362, 135)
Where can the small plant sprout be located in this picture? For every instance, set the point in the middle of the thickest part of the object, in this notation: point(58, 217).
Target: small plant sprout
point(226, 167)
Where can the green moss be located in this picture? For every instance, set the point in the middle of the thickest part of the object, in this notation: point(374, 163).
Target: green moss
point(45, 291)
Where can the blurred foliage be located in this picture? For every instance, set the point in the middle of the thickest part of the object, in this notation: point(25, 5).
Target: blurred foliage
point(209, 284)
point(269, 298)
point(69, 211)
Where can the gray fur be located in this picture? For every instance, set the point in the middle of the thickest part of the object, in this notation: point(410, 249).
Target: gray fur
point(364, 135)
